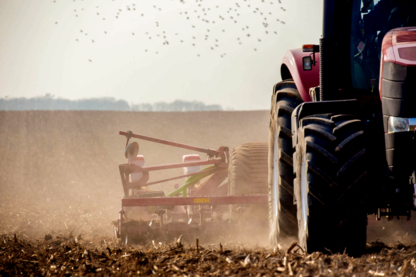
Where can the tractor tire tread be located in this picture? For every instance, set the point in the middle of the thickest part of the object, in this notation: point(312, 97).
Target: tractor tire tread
point(337, 186)
point(285, 99)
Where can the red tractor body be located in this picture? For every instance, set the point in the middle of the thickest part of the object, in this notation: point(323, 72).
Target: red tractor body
point(292, 67)
point(343, 127)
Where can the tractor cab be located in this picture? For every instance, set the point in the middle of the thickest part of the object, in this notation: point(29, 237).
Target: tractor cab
point(370, 22)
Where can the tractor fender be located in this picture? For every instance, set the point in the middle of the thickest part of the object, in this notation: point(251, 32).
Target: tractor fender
point(292, 68)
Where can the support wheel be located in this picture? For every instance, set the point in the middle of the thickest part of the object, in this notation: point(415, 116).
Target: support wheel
point(282, 211)
point(248, 176)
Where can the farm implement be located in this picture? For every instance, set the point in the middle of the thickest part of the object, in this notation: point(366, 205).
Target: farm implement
point(203, 207)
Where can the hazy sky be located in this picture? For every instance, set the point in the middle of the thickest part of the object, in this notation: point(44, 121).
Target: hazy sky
point(147, 53)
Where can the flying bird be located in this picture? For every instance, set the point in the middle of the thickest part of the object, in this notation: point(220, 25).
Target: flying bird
point(203, 13)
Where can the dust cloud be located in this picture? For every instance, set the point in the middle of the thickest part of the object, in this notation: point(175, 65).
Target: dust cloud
point(59, 169)
point(60, 192)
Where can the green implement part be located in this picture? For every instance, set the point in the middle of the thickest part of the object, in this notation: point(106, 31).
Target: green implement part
point(194, 179)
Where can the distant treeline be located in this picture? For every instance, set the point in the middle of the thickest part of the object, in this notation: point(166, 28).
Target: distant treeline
point(49, 102)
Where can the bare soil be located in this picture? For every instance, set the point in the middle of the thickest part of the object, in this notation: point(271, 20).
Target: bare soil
point(69, 255)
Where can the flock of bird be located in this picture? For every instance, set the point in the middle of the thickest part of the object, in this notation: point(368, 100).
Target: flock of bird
point(206, 24)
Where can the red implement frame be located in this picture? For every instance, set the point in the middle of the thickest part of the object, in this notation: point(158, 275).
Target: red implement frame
point(209, 190)
point(219, 158)
point(210, 152)
point(211, 200)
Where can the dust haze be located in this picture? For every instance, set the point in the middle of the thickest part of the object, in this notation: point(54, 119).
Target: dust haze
point(60, 192)
point(60, 168)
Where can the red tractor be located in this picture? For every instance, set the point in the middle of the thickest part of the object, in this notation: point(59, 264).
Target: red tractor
point(342, 127)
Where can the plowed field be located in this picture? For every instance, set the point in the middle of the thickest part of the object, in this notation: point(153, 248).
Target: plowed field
point(60, 192)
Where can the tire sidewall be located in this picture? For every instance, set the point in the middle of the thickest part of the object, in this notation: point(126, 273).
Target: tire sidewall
point(273, 219)
point(300, 154)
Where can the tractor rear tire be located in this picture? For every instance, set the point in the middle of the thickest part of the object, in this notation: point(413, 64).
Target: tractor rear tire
point(353, 176)
point(332, 184)
point(248, 176)
point(282, 210)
